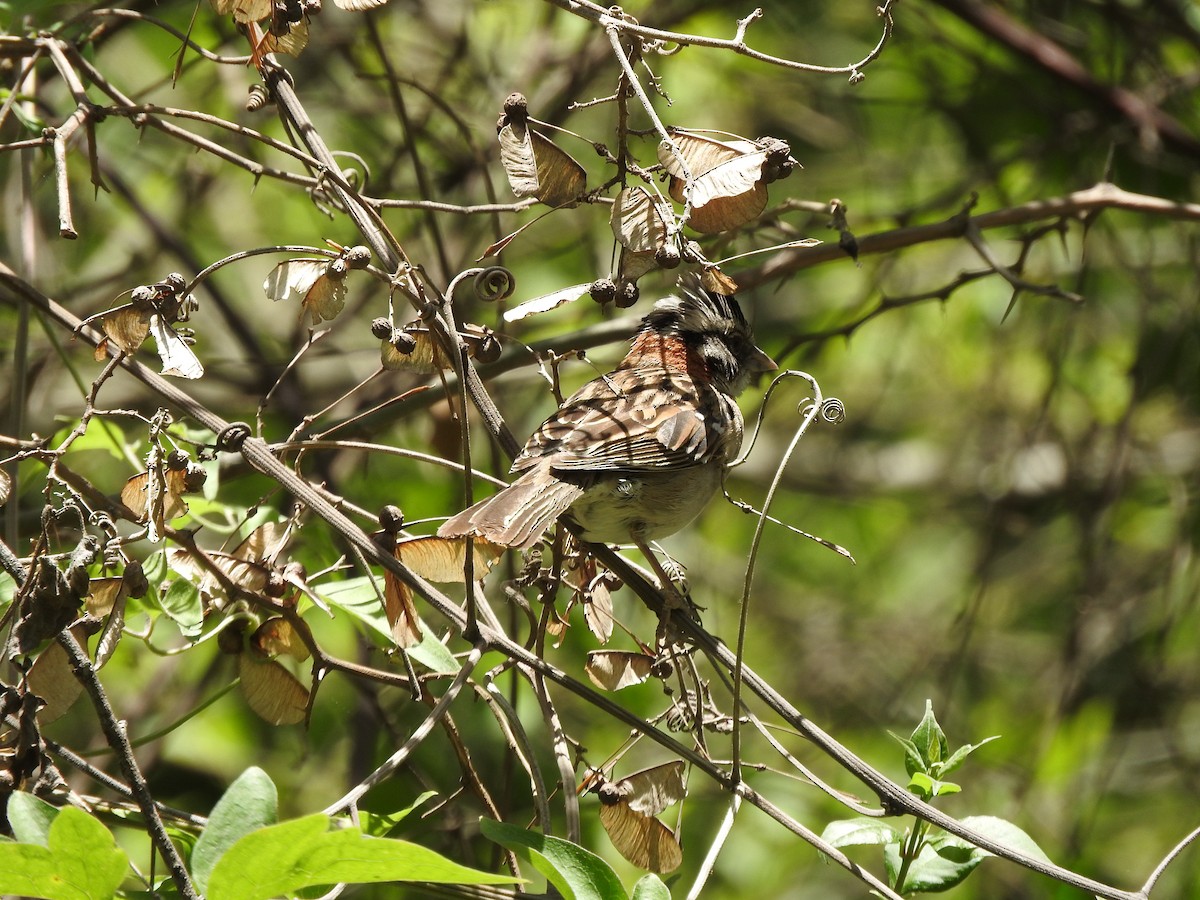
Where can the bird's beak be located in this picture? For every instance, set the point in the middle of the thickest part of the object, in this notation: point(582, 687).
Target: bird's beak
point(760, 362)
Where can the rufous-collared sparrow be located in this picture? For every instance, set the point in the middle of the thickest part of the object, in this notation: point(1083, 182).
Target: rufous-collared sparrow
point(636, 454)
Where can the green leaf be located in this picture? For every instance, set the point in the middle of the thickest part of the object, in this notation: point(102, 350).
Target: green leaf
point(284, 858)
point(81, 861)
point(922, 785)
point(250, 803)
point(959, 756)
point(932, 871)
point(929, 739)
point(577, 873)
point(913, 762)
point(860, 831)
point(30, 818)
point(378, 825)
point(1001, 831)
point(650, 887)
point(181, 601)
point(356, 597)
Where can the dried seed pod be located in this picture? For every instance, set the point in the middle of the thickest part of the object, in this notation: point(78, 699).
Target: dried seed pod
point(391, 519)
point(381, 328)
point(603, 290)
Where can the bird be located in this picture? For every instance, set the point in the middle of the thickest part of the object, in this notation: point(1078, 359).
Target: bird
point(634, 455)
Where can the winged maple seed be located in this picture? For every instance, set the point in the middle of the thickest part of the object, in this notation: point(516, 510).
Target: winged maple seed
point(156, 308)
point(435, 559)
point(725, 181)
point(414, 348)
point(255, 566)
point(319, 283)
point(628, 808)
point(534, 164)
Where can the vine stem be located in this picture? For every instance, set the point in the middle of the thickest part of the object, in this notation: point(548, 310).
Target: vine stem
point(756, 541)
point(418, 736)
point(114, 732)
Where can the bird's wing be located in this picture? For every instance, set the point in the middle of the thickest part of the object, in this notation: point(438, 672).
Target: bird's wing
point(631, 420)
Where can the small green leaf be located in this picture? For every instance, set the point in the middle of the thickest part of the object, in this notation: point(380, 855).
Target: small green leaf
point(856, 832)
point(250, 803)
point(931, 871)
point(284, 858)
point(913, 762)
point(942, 788)
point(356, 597)
point(81, 862)
point(922, 785)
point(181, 601)
point(577, 873)
point(929, 738)
point(650, 887)
point(30, 818)
point(434, 655)
point(959, 756)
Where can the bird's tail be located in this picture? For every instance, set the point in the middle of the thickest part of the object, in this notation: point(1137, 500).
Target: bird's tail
point(517, 516)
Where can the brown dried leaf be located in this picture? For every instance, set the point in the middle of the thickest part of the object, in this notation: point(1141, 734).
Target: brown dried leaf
point(322, 297)
point(727, 180)
point(700, 154)
point(275, 636)
point(291, 43)
point(249, 566)
point(643, 840)
point(103, 593)
point(401, 612)
point(616, 669)
point(713, 279)
point(51, 678)
point(441, 559)
point(244, 10)
point(177, 357)
point(537, 167)
point(427, 356)
point(598, 610)
point(127, 328)
point(627, 812)
point(727, 213)
point(162, 498)
point(639, 220)
point(265, 543)
point(547, 302)
point(272, 691)
point(652, 790)
point(110, 636)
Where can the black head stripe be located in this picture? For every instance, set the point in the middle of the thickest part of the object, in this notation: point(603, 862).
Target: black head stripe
point(696, 311)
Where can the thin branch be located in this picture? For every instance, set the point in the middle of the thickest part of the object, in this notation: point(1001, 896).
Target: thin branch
point(603, 16)
point(1078, 205)
point(114, 731)
point(393, 762)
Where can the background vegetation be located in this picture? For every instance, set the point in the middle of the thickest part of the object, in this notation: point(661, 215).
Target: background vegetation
point(1016, 474)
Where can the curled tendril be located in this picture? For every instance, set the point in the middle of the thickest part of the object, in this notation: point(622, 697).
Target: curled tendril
point(232, 436)
point(495, 283)
point(833, 411)
point(259, 97)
